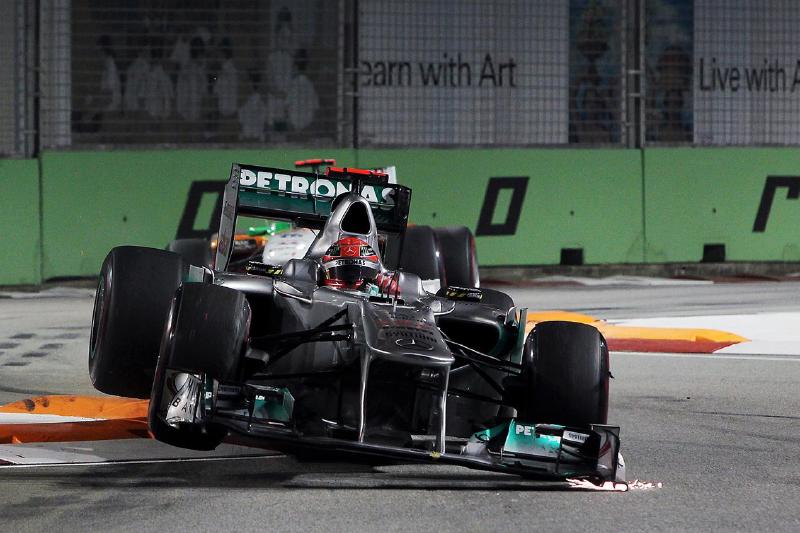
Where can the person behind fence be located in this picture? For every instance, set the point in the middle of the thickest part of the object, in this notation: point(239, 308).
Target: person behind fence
point(159, 92)
point(302, 100)
point(279, 69)
point(253, 114)
point(226, 86)
point(192, 83)
point(136, 81)
point(110, 83)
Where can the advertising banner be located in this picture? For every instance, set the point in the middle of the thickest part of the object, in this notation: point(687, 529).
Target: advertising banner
point(479, 73)
point(746, 72)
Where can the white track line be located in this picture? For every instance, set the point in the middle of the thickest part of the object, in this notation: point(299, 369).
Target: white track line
point(718, 356)
point(144, 461)
point(30, 418)
point(624, 281)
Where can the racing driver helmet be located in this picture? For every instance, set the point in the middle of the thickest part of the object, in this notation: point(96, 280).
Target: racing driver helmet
point(350, 262)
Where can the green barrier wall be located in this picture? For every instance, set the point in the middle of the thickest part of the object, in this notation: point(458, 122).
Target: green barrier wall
point(20, 242)
point(618, 206)
point(94, 201)
point(589, 199)
point(695, 197)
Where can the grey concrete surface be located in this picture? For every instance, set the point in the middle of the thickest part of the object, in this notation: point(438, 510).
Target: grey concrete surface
point(44, 343)
point(664, 270)
point(662, 301)
point(722, 434)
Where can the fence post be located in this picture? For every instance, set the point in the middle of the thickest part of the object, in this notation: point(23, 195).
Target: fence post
point(634, 82)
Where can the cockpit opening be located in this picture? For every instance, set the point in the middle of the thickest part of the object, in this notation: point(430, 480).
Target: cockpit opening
point(356, 220)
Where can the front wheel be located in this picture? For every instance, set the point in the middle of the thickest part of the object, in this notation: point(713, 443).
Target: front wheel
point(565, 375)
point(205, 339)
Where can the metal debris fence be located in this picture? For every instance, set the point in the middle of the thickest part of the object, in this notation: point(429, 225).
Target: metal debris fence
point(372, 73)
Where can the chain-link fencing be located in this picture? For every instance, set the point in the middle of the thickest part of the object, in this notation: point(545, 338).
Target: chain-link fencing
point(372, 73)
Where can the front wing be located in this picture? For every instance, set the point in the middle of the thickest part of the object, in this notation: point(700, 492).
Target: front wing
point(542, 451)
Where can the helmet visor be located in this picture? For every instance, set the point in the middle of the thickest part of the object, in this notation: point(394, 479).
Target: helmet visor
point(350, 272)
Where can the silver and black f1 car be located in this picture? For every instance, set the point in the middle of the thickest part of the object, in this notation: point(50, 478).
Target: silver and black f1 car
point(273, 357)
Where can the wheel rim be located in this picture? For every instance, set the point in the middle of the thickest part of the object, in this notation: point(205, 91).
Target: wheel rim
point(160, 377)
point(97, 313)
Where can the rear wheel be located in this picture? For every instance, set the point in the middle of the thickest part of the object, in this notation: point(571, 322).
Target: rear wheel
point(193, 251)
point(565, 375)
point(421, 256)
point(131, 305)
point(457, 246)
point(205, 338)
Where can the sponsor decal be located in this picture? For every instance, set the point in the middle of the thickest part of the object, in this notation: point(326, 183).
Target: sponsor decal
point(421, 335)
point(315, 186)
point(413, 344)
point(522, 429)
point(257, 268)
point(771, 185)
point(572, 436)
point(464, 293)
point(191, 228)
point(346, 262)
point(452, 71)
point(183, 405)
point(523, 440)
point(486, 220)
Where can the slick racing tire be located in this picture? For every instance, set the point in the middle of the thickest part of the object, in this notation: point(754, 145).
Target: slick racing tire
point(457, 246)
point(421, 256)
point(566, 374)
point(131, 304)
point(206, 338)
point(193, 251)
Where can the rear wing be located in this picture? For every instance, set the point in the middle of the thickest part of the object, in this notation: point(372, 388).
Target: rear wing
point(306, 198)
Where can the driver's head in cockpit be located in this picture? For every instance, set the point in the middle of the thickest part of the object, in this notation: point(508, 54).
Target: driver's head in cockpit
point(350, 263)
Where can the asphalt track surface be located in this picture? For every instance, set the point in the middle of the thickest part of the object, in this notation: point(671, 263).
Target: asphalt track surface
point(720, 432)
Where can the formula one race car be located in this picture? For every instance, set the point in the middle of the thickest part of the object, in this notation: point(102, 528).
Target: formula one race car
point(340, 351)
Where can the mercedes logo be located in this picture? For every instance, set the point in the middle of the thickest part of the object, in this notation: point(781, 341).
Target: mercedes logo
point(409, 342)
